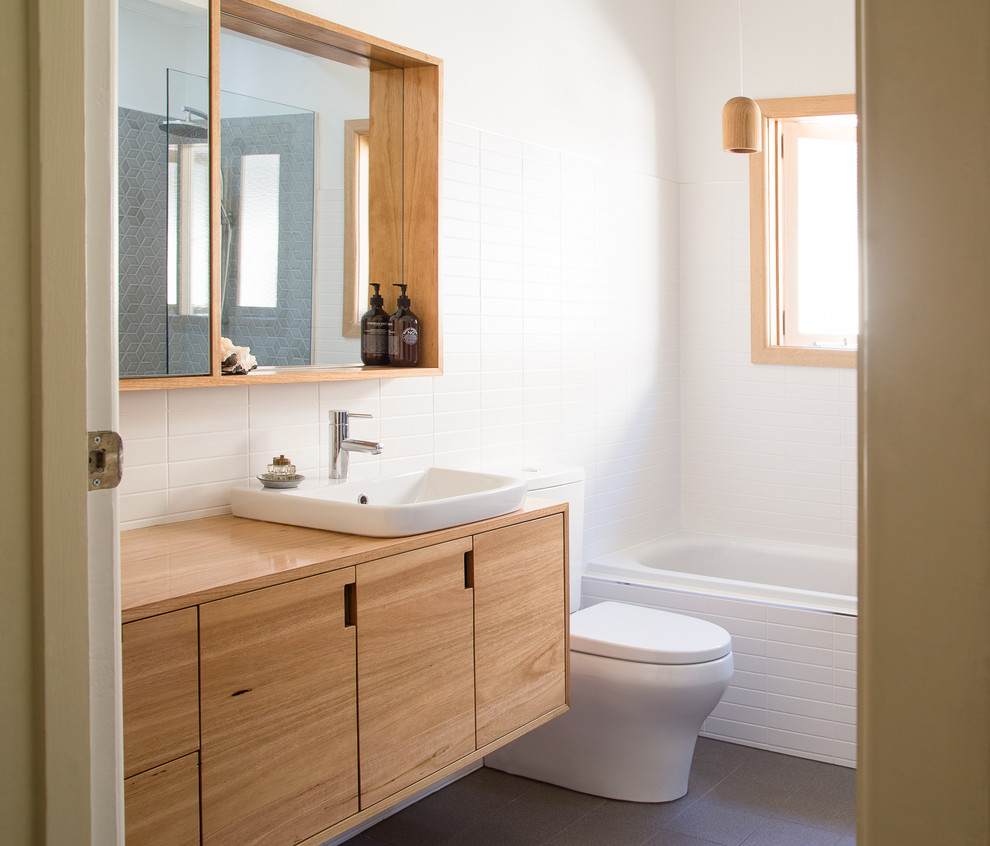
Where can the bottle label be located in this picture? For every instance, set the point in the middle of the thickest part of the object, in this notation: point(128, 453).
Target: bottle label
point(410, 335)
point(376, 342)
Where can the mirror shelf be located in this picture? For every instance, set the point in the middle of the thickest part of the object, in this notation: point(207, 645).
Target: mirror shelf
point(277, 376)
point(404, 98)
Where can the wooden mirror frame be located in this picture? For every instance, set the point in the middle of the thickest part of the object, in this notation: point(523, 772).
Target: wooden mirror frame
point(404, 175)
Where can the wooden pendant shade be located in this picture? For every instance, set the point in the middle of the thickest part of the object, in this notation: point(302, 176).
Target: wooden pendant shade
point(741, 130)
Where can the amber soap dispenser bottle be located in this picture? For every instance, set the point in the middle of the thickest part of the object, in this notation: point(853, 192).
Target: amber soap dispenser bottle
point(403, 334)
point(374, 331)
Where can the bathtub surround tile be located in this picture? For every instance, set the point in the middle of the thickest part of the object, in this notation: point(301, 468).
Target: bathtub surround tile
point(748, 696)
point(802, 636)
point(731, 712)
point(735, 731)
point(801, 743)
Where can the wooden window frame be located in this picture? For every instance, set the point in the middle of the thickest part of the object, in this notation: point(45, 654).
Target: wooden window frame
point(356, 144)
point(764, 235)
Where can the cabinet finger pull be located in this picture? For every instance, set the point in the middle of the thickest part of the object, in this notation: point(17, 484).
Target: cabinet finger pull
point(469, 570)
point(350, 605)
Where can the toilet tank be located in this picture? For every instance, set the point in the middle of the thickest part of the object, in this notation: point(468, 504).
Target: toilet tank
point(562, 484)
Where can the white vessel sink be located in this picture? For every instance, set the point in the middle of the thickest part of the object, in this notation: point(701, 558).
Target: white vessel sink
point(431, 499)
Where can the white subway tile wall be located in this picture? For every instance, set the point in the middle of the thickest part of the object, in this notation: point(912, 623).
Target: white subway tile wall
point(767, 451)
point(794, 686)
point(560, 291)
point(331, 347)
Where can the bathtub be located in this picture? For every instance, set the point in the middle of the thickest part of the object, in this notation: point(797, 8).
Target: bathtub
point(791, 611)
point(789, 574)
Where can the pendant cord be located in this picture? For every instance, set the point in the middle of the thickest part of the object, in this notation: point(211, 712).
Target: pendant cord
point(742, 88)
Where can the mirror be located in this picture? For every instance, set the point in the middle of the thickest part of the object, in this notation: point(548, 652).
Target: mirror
point(282, 215)
point(325, 178)
point(163, 189)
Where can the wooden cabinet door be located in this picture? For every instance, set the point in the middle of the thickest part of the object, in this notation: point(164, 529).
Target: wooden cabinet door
point(160, 689)
point(162, 805)
point(279, 754)
point(520, 617)
point(415, 666)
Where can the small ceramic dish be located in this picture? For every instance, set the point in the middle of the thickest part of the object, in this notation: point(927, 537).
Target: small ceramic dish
point(281, 481)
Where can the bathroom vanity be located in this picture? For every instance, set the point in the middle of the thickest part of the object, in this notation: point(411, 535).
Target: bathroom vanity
point(282, 684)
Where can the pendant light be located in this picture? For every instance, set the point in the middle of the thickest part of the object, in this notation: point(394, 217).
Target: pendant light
point(741, 117)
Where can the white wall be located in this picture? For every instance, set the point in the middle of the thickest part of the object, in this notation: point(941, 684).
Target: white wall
point(768, 451)
point(590, 77)
point(151, 38)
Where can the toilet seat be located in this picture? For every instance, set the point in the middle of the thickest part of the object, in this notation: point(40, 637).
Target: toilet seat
point(646, 635)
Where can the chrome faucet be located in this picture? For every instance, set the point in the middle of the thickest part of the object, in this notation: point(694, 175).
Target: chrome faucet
point(341, 446)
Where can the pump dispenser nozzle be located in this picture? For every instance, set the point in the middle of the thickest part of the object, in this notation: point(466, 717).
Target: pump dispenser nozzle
point(403, 300)
point(376, 297)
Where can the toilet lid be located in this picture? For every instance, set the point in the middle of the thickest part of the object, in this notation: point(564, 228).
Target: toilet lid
point(646, 635)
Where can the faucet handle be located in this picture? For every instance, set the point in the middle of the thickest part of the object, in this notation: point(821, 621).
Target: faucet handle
point(339, 415)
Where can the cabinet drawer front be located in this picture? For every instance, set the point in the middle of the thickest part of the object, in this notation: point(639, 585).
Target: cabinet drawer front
point(415, 667)
point(161, 806)
point(279, 750)
point(160, 689)
point(520, 624)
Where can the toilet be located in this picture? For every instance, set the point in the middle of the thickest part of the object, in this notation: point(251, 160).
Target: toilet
point(642, 683)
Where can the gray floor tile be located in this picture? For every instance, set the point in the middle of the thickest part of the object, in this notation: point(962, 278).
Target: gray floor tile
point(828, 800)
point(626, 823)
point(415, 826)
point(673, 838)
point(713, 762)
point(540, 812)
point(363, 840)
point(723, 823)
point(786, 833)
point(483, 835)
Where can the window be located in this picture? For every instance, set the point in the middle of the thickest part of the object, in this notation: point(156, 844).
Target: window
point(804, 233)
point(257, 259)
point(187, 234)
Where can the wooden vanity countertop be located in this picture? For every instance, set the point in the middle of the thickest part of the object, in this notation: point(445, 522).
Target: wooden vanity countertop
point(176, 565)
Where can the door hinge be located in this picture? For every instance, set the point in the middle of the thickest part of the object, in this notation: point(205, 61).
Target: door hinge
point(106, 460)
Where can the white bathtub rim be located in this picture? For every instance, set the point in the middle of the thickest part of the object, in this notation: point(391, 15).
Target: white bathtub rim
point(624, 568)
point(828, 603)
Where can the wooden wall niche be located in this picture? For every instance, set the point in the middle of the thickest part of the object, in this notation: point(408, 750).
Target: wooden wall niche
point(404, 215)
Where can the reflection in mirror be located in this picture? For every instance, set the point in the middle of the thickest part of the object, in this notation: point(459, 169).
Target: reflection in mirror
point(267, 180)
point(163, 172)
point(283, 200)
